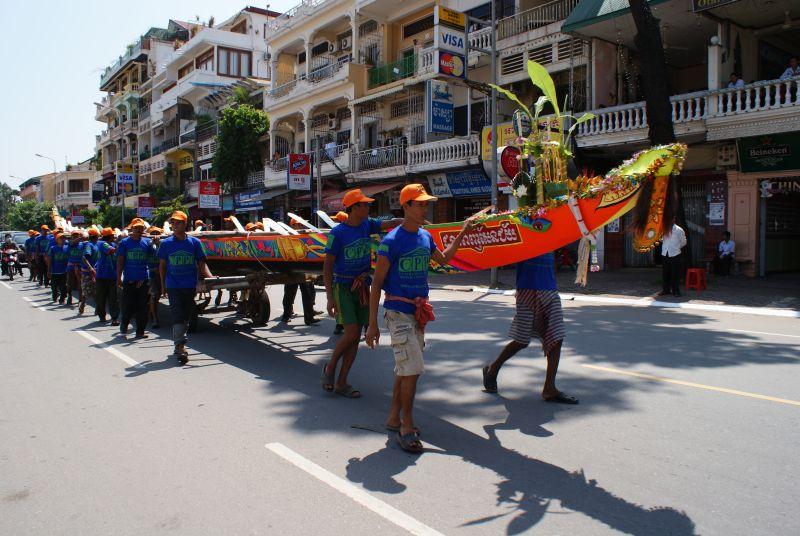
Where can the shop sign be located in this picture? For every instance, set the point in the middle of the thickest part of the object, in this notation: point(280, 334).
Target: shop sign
point(440, 107)
point(247, 200)
point(439, 186)
point(775, 152)
point(208, 194)
point(702, 5)
point(505, 136)
point(126, 182)
point(299, 172)
point(449, 17)
point(77, 217)
point(146, 207)
point(98, 191)
point(449, 39)
point(451, 64)
point(467, 183)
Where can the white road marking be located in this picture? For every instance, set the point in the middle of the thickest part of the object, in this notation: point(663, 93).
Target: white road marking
point(360, 496)
point(27, 299)
point(110, 349)
point(764, 333)
point(6, 285)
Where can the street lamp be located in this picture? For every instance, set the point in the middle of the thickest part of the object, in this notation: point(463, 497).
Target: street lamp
point(48, 158)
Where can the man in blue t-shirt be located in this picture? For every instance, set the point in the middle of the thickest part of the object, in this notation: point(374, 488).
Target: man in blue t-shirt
point(75, 247)
point(181, 260)
point(154, 233)
point(90, 255)
point(30, 253)
point(348, 260)
point(402, 272)
point(133, 278)
point(42, 249)
point(538, 315)
point(56, 261)
point(105, 277)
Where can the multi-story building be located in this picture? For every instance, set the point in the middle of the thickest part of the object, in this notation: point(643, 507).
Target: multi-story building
point(178, 120)
point(742, 130)
point(73, 188)
point(127, 84)
point(29, 190)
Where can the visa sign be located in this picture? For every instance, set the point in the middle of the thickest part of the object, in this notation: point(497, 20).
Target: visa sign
point(449, 39)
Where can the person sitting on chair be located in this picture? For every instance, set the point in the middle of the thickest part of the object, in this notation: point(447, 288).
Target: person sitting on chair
point(725, 255)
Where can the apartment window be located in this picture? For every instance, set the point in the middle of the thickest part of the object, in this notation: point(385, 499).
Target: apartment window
point(301, 58)
point(368, 27)
point(343, 114)
point(320, 49)
point(205, 61)
point(240, 27)
point(186, 69)
point(417, 27)
point(319, 120)
point(235, 63)
point(343, 137)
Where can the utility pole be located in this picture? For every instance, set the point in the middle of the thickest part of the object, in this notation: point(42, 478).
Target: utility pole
point(493, 273)
point(318, 165)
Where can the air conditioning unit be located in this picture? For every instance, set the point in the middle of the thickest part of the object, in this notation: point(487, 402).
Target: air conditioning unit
point(267, 55)
point(331, 47)
point(345, 43)
point(333, 124)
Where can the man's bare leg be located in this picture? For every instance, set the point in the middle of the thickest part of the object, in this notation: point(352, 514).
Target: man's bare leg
point(408, 390)
point(349, 356)
point(352, 334)
point(394, 410)
point(553, 357)
point(510, 350)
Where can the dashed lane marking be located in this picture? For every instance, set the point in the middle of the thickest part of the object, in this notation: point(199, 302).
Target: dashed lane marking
point(692, 384)
point(6, 285)
point(110, 349)
point(346, 488)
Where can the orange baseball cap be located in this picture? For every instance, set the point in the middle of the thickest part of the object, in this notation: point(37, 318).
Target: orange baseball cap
point(415, 192)
point(249, 227)
point(351, 197)
point(199, 222)
point(31, 232)
point(107, 231)
point(76, 232)
point(154, 231)
point(258, 225)
point(179, 215)
point(136, 222)
point(44, 228)
point(341, 217)
point(94, 232)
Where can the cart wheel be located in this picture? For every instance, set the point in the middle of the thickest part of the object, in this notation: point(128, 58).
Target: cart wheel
point(260, 309)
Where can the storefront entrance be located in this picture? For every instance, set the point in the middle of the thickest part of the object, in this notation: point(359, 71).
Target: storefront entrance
point(781, 226)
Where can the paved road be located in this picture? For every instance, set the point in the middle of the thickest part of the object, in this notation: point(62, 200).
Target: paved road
point(106, 436)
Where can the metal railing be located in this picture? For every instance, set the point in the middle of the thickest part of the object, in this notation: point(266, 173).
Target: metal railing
point(255, 179)
point(187, 137)
point(285, 88)
point(535, 18)
point(379, 157)
point(304, 8)
point(391, 72)
point(112, 69)
point(278, 164)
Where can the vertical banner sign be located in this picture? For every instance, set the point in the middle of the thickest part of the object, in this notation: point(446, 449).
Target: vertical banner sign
point(126, 182)
point(76, 217)
point(299, 172)
point(208, 194)
point(448, 41)
point(147, 205)
point(451, 64)
point(439, 119)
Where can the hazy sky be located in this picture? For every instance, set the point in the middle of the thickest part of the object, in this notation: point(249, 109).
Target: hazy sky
point(53, 53)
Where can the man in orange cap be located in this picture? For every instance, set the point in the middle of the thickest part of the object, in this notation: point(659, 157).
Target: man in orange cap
point(401, 271)
point(348, 256)
point(76, 247)
point(133, 278)
point(182, 261)
point(106, 278)
point(90, 256)
point(56, 260)
point(154, 233)
point(42, 247)
point(29, 253)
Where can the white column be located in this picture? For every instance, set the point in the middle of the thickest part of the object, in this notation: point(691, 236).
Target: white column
point(354, 39)
point(715, 64)
point(355, 130)
point(308, 55)
point(273, 72)
point(307, 132)
point(271, 145)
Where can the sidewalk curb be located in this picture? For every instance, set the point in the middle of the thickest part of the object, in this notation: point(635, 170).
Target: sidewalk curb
point(643, 302)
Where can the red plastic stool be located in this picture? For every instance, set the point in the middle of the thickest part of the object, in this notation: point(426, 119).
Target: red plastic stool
point(696, 278)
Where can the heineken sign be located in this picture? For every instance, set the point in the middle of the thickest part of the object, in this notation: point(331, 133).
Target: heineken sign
point(775, 152)
point(702, 5)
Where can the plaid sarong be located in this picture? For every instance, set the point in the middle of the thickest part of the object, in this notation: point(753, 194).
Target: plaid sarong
point(538, 315)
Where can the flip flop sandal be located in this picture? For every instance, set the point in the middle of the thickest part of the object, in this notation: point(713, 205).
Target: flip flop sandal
point(489, 381)
point(410, 443)
point(397, 429)
point(348, 392)
point(562, 398)
point(327, 379)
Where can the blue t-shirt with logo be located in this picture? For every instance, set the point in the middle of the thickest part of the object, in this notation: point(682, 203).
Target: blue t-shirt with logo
point(352, 247)
point(106, 264)
point(181, 257)
point(29, 244)
point(135, 253)
point(152, 259)
point(91, 254)
point(410, 257)
point(76, 253)
point(59, 255)
point(43, 244)
point(537, 273)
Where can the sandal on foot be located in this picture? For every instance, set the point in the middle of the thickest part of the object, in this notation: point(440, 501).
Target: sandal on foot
point(348, 392)
point(410, 442)
point(489, 381)
point(327, 379)
point(562, 398)
point(391, 428)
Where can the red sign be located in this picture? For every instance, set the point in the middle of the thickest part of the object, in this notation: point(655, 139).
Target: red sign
point(208, 188)
point(509, 163)
point(485, 236)
point(299, 172)
point(451, 64)
point(146, 207)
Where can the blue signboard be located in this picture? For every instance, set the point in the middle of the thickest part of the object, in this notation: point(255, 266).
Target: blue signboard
point(247, 200)
point(440, 107)
point(465, 183)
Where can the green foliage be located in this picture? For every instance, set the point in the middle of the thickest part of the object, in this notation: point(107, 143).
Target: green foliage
point(240, 96)
point(106, 215)
point(165, 210)
point(91, 216)
point(8, 196)
point(237, 143)
point(30, 215)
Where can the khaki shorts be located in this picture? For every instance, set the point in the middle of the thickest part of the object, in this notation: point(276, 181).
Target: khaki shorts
point(408, 342)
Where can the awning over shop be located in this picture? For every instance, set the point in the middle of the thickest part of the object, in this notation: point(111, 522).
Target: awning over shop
point(269, 194)
point(334, 202)
point(590, 12)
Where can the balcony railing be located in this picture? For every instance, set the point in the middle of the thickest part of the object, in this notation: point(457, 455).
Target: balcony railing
point(291, 16)
point(761, 96)
point(534, 18)
point(444, 151)
point(391, 72)
point(284, 89)
point(144, 155)
point(278, 164)
point(112, 69)
point(255, 179)
point(144, 112)
point(187, 137)
point(323, 73)
point(379, 157)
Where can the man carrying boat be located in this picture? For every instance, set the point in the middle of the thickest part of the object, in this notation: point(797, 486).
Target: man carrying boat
point(538, 315)
point(348, 256)
point(402, 272)
point(155, 279)
point(105, 278)
point(133, 278)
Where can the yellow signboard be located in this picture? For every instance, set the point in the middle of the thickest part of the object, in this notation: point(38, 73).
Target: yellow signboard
point(449, 17)
point(505, 136)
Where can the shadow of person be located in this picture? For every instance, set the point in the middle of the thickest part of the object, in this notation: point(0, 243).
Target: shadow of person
point(525, 415)
point(151, 366)
point(376, 471)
